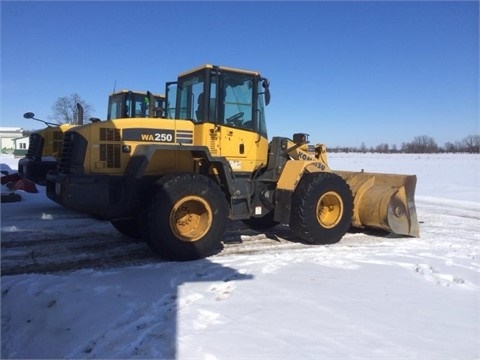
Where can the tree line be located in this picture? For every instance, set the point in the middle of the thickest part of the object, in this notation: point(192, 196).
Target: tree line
point(419, 145)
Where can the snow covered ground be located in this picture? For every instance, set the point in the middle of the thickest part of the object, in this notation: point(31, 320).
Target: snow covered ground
point(73, 287)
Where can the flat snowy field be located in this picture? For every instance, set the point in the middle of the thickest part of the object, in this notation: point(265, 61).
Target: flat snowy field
point(73, 287)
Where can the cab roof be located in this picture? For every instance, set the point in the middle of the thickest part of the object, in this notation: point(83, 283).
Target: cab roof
point(209, 66)
point(123, 91)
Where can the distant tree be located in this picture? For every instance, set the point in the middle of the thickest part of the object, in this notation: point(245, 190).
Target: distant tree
point(421, 144)
point(382, 148)
point(393, 148)
point(471, 144)
point(363, 148)
point(450, 147)
point(65, 109)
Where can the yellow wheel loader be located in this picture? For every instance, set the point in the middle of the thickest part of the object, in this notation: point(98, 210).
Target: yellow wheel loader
point(176, 181)
point(45, 145)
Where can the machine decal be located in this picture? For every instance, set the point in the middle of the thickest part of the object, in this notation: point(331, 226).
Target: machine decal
point(150, 135)
point(158, 135)
point(320, 166)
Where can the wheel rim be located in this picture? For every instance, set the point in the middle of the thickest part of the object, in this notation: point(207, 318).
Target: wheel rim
point(191, 218)
point(329, 209)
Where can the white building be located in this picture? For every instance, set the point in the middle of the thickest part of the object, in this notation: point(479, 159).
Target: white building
point(21, 145)
point(7, 137)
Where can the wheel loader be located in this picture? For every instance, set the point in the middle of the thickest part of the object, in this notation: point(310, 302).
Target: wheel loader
point(176, 181)
point(45, 145)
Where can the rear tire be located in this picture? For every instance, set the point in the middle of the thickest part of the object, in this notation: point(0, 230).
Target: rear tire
point(322, 208)
point(187, 217)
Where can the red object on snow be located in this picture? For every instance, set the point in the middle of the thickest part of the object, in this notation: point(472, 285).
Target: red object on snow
point(12, 177)
point(15, 182)
point(25, 185)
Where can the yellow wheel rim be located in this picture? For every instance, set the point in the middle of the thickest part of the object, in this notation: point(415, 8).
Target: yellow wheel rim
point(191, 218)
point(329, 209)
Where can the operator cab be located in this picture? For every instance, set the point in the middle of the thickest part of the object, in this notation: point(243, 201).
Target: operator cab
point(220, 95)
point(135, 104)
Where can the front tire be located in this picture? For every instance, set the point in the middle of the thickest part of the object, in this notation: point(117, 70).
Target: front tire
point(322, 208)
point(187, 217)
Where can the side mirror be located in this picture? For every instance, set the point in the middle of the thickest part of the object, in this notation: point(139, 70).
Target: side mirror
point(266, 86)
point(31, 115)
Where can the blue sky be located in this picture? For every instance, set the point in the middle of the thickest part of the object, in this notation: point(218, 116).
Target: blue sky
point(344, 72)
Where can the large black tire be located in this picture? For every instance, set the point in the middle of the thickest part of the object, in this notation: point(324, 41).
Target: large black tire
point(322, 208)
point(128, 227)
point(187, 217)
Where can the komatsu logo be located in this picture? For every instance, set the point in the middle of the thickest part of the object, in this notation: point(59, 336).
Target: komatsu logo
point(304, 156)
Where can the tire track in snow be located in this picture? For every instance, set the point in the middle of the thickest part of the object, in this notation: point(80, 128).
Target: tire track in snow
point(59, 253)
point(39, 252)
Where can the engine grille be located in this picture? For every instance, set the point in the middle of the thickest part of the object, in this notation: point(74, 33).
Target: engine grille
point(64, 162)
point(110, 150)
point(35, 148)
point(108, 134)
point(110, 153)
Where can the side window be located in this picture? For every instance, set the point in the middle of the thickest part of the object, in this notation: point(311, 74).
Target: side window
point(114, 109)
point(212, 116)
point(138, 109)
point(128, 108)
point(262, 124)
point(198, 102)
point(158, 109)
point(171, 91)
point(191, 99)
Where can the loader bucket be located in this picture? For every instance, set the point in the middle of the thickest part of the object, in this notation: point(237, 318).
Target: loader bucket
point(383, 201)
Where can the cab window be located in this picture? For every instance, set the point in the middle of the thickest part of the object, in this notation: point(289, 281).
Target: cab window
point(191, 99)
point(238, 106)
point(114, 107)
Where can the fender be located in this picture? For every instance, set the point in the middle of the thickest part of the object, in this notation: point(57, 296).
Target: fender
point(287, 183)
point(143, 154)
point(294, 170)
